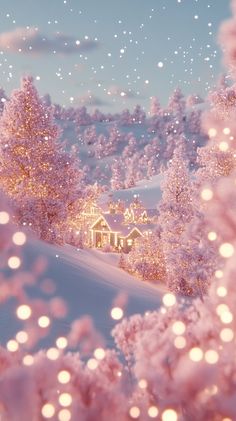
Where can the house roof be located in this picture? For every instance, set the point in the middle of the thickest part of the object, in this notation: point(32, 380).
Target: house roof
point(114, 221)
point(127, 229)
point(146, 227)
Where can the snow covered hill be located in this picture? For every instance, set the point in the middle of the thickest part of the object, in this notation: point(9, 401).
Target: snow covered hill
point(148, 191)
point(114, 153)
point(89, 281)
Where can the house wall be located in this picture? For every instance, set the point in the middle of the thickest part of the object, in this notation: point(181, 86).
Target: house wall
point(101, 226)
point(124, 242)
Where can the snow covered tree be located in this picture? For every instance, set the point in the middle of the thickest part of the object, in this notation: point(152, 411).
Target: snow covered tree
point(176, 104)
point(176, 211)
point(90, 135)
point(194, 122)
point(82, 117)
point(193, 100)
point(125, 118)
point(138, 115)
point(98, 116)
point(3, 99)
point(131, 148)
point(117, 182)
point(46, 99)
point(214, 163)
point(155, 107)
point(35, 172)
point(146, 258)
point(177, 363)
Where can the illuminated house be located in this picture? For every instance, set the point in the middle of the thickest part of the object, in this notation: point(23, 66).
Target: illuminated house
point(110, 229)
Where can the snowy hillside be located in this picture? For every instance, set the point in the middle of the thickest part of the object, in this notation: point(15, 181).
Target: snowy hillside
point(121, 152)
point(148, 191)
point(88, 281)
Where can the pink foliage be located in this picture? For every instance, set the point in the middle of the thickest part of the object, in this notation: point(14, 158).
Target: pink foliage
point(178, 360)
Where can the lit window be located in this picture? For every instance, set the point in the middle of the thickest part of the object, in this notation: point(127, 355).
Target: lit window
point(130, 242)
point(103, 224)
point(122, 242)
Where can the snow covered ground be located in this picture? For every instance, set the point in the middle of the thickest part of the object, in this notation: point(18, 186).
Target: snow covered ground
point(89, 281)
point(148, 191)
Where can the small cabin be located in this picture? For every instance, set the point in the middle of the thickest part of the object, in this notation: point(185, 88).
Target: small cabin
point(109, 229)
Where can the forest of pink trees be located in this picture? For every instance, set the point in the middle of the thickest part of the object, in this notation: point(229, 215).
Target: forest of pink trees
point(174, 364)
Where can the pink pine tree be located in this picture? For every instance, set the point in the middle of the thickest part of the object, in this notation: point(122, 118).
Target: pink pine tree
point(176, 211)
point(117, 182)
point(3, 99)
point(176, 104)
point(155, 107)
point(138, 115)
point(40, 178)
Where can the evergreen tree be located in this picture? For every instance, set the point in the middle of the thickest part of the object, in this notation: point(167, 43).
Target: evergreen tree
point(176, 211)
point(176, 104)
point(155, 107)
point(117, 182)
point(3, 99)
point(146, 258)
point(35, 171)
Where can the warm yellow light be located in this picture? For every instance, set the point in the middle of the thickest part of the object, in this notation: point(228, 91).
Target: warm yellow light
point(195, 354)
point(44, 321)
point(227, 335)
point(4, 218)
point(14, 262)
point(222, 308)
point(134, 412)
point(169, 415)
point(53, 354)
point(23, 312)
point(211, 356)
point(99, 353)
point(212, 236)
point(64, 415)
point(178, 328)
point(226, 130)
point(12, 345)
point(117, 313)
point(223, 146)
point(92, 364)
point(180, 342)
point(28, 360)
point(48, 410)
point(226, 317)
point(169, 300)
point(61, 342)
point(22, 337)
point(65, 399)
point(19, 238)
point(153, 411)
point(218, 274)
point(212, 132)
point(63, 376)
point(221, 291)
point(142, 384)
point(206, 194)
point(226, 250)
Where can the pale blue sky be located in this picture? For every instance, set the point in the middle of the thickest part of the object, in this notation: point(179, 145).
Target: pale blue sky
point(133, 36)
